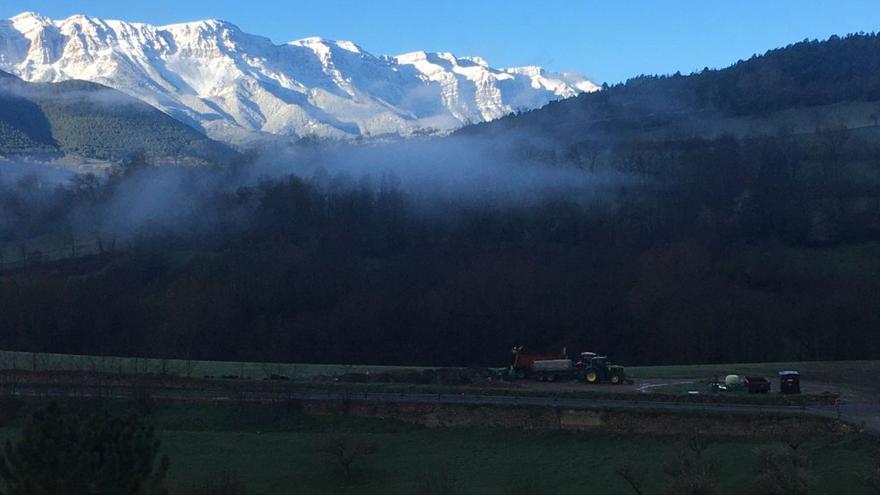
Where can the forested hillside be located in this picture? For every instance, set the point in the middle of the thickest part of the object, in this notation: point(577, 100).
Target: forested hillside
point(669, 247)
point(93, 121)
point(343, 272)
point(804, 75)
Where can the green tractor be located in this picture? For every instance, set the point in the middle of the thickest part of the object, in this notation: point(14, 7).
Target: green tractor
point(597, 369)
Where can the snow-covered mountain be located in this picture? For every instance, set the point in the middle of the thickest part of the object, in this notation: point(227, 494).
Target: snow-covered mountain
point(236, 85)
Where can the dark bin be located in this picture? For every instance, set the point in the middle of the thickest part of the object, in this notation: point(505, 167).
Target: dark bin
point(757, 384)
point(789, 382)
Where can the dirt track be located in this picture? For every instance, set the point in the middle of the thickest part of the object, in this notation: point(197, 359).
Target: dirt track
point(860, 407)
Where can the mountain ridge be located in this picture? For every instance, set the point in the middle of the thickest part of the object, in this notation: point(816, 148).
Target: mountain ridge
point(235, 85)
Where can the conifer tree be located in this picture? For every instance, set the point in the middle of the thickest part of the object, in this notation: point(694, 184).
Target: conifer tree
point(66, 453)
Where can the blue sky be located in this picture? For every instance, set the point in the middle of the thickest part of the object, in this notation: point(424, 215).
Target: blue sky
point(607, 41)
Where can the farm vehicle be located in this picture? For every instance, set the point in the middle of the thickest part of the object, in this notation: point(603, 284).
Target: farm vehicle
point(589, 367)
point(597, 369)
point(789, 383)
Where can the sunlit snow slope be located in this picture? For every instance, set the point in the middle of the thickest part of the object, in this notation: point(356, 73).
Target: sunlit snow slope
point(235, 85)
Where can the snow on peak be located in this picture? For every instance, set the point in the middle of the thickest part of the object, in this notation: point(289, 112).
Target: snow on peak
point(236, 86)
point(348, 45)
point(30, 17)
point(29, 21)
point(323, 44)
point(411, 57)
point(531, 70)
point(476, 60)
point(78, 18)
point(192, 31)
point(209, 24)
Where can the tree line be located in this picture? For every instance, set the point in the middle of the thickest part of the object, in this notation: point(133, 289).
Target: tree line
point(725, 250)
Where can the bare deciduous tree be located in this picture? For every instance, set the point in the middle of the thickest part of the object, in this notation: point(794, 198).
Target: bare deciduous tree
point(690, 472)
point(782, 471)
point(697, 444)
point(632, 478)
point(872, 479)
point(441, 481)
point(345, 449)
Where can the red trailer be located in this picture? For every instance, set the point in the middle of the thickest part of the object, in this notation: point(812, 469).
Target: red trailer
point(522, 362)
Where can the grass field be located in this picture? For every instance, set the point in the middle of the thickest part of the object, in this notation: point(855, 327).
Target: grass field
point(272, 450)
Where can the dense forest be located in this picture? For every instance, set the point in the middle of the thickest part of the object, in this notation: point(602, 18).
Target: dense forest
point(744, 251)
point(758, 247)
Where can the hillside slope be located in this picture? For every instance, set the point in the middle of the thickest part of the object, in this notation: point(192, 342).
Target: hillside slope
point(93, 121)
point(799, 88)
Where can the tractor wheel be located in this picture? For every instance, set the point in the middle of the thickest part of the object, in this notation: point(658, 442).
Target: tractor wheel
point(592, 376)
point(615, 379)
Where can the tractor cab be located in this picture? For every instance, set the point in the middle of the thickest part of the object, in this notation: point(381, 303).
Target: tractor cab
point(598, 369)
point(583, 361)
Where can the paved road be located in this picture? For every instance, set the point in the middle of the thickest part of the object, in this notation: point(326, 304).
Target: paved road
point(867, 415)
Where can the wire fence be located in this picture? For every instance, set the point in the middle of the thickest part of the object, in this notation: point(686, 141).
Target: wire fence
point(48, 362)
point(25, 255)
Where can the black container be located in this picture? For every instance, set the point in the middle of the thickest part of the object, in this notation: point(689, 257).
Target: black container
point(789, 382)
point(757, 384)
